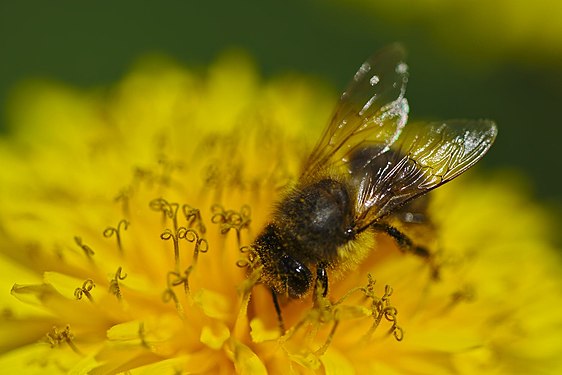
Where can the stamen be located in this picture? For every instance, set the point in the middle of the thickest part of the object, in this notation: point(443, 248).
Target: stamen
point(169, 210)
point(87, 249)
point(143, 175)
point(382, 308)
point(175, 279)
point(176, 236)
point(193, 216)
point(58, 251)
point(114, 286)
point(110, 231)
point(397, 332)
point(124, 197)
point(251, 258)
point(245, 213)
point(85, 290)
point(170, 295)
point(201, 244)
point(322, 312)
point(463, 294)
point(57, 337)
point(168, 167)
point(245, 290)
point(142, 336)
point(231, 219)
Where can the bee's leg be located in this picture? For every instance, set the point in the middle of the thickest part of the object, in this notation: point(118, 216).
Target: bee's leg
point(406, 244)
point(278, 311)
point(322, 278)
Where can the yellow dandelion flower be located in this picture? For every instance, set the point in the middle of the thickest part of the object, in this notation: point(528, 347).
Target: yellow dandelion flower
point(126, 220)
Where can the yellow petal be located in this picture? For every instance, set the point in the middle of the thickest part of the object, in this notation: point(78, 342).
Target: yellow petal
point(214, 338)
point(213, 304)
point(260, 333)
point(245, 360)
point(335, 363)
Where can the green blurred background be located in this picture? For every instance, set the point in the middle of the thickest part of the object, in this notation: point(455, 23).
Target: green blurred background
point(468, 59)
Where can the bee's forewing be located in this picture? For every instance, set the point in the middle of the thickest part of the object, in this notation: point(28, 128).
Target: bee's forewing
point(425, 156)
point(372, 110)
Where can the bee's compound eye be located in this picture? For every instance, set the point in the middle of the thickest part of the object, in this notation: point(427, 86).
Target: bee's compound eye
point(296, 276)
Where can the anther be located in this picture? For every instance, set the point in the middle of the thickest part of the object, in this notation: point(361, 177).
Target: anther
point(85, 290)
point(250, 260)
point(398, 332)
point(387, 292)
point(201, 244)
point(231, 219)
point(110, 231)
point(219, 214)
point(193, 216)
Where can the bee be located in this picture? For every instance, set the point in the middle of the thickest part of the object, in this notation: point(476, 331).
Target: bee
point(367, 168)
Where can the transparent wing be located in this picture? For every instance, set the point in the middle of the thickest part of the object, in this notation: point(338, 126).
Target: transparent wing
point(372, 110)
point(424, 157)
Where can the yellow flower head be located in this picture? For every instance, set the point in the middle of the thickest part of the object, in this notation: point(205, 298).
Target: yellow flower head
point(127, 215)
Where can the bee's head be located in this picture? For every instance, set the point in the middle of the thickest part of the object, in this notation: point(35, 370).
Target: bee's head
point(281, 272)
